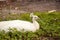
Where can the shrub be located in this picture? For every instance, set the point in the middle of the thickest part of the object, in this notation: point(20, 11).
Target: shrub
point(49, 27)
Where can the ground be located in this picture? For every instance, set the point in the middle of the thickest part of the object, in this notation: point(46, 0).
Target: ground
point(30, 7)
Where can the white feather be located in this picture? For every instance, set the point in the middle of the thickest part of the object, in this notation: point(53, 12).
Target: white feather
point(51, 11)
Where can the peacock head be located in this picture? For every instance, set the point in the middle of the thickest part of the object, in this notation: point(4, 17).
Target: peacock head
point(35, 17)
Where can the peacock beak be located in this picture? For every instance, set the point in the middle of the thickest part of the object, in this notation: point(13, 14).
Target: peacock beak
point(38, 18)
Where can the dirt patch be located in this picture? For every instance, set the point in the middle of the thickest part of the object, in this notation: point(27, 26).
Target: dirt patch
point(31, 6)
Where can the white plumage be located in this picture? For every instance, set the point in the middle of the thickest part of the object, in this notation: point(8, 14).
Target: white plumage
point(20, 24)
point(51, 11)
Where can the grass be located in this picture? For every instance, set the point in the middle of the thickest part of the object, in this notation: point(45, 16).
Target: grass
point(49, 26)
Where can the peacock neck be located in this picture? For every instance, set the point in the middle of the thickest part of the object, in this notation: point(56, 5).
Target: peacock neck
point(35, 23)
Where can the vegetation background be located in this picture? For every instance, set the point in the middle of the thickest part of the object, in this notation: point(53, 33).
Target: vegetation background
point(49, 27)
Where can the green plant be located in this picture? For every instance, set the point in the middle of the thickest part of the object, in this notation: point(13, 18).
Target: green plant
point(49, 26)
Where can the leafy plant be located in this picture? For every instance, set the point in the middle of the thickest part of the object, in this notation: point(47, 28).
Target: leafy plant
point(49, 26)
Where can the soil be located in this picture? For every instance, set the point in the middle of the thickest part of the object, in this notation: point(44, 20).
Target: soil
point(30, 6)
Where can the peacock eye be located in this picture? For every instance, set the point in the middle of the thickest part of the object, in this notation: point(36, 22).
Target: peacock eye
point(35, 17)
